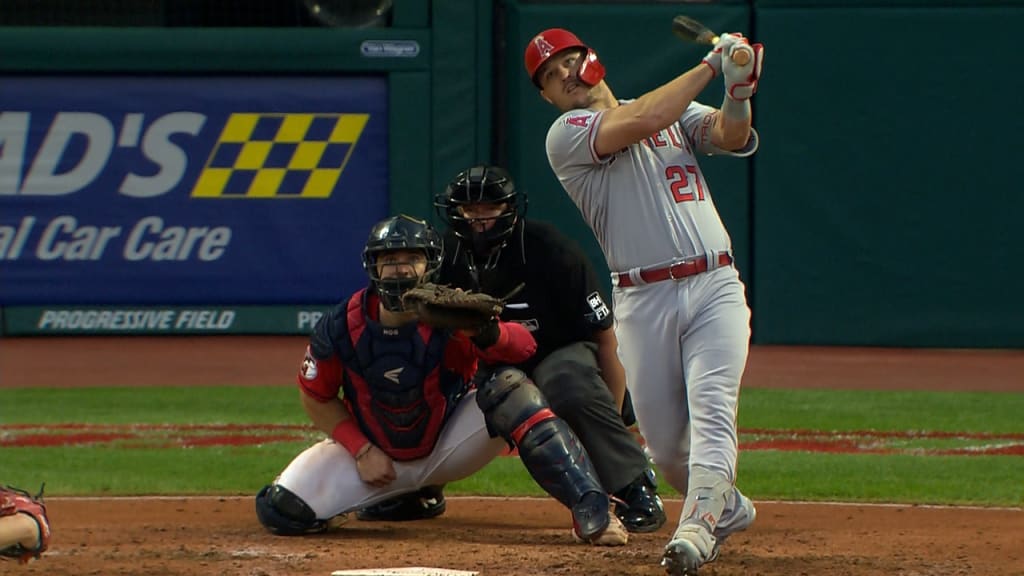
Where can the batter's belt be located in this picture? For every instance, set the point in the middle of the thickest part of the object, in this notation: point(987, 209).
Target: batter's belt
point(670, 272)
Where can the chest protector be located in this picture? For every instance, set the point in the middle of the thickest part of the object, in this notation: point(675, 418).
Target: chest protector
point(394, 382)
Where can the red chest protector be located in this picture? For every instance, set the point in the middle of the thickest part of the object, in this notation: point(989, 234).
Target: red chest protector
point(394, 382)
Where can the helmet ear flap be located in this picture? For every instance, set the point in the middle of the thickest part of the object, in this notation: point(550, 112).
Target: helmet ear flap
point(591, 70)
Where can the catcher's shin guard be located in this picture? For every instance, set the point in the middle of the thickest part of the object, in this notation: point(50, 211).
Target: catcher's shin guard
point(516, 409)
point(285, 514)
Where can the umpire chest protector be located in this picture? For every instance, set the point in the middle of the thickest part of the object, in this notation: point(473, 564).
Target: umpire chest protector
point(394, 382)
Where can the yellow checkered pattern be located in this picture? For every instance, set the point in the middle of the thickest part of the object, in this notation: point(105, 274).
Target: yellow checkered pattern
point(285, 161)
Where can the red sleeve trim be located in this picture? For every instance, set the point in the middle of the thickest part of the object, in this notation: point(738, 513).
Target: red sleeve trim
point(592, 138)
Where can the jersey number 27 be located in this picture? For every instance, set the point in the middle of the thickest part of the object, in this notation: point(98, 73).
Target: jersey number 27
point(679, 183)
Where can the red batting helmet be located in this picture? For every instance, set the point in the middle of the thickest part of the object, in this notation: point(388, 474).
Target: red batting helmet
point(554, 40)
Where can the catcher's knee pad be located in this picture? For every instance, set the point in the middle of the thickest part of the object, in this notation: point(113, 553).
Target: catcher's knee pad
point(551, 452)
point(285, 514)
point(511, 403)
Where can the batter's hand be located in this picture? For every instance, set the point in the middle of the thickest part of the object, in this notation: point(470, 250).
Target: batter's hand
point(714, 57)
point(741, 81)
point(376, 468)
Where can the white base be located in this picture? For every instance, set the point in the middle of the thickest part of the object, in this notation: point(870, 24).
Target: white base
point(402, 572)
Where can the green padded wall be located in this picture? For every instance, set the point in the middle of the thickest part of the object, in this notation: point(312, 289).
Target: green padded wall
point(888, 192)
point(634, 67)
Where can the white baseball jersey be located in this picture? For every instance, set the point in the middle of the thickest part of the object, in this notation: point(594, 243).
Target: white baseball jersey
point(683, 342)
point(648, 204)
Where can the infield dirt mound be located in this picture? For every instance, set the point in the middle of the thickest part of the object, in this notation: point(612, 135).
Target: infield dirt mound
point(220, 536)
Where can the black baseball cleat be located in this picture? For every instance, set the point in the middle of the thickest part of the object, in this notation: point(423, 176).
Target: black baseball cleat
point(427, 502)
point(638, 505)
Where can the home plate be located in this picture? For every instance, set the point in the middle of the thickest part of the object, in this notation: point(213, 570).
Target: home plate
point(402, 572)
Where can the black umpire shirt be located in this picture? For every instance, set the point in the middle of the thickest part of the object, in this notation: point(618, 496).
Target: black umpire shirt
point(561, 302)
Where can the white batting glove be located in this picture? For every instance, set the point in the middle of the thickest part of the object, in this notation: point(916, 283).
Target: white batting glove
point(714, 57)
point(741, 81)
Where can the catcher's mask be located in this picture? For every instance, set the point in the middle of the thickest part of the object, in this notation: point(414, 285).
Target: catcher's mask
point(554, 40)
point(481, 185)
point(401, 233)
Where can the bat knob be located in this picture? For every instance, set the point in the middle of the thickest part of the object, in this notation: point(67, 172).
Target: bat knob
point(741, 55)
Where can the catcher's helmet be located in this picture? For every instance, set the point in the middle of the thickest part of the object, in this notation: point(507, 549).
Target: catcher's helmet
point(481, 184)
point(554, 40)
point(401, 233)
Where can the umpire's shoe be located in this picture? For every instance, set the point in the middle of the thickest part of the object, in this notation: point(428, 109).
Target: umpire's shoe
point(427, 502)
point(638, 505)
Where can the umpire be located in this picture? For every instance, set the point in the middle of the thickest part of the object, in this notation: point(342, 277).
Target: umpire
point(490, 247)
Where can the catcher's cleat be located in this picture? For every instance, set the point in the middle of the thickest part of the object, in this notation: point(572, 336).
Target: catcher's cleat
point(593, 521)
point(615, 534)
point(427, 502)
point(638, 505)
point(335, 522)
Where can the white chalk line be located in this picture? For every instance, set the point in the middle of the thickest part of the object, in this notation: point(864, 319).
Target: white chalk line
point(535, 498)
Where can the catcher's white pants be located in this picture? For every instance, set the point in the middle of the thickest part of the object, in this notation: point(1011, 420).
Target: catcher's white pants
point(325, 475)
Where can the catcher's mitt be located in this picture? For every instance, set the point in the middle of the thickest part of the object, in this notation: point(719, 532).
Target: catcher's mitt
point(14, 501)
point(453, 308)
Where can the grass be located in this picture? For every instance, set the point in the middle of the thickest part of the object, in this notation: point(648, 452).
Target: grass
point(908, 478)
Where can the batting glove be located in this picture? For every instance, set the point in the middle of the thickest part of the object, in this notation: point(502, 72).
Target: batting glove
point(741, 81)
point(714, 57)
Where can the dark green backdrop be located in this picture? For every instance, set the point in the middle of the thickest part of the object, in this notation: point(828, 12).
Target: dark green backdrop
point(883, 207)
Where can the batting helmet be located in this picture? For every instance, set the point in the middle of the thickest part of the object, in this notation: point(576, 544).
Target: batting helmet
point(481, 184)
point(554, 40)
point(401, 233)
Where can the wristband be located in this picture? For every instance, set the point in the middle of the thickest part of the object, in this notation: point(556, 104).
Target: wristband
point(348, 434)
point(736, 109)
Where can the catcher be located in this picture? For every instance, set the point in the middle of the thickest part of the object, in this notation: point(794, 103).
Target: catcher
point(491, 246)
point(24, 526)
point(393, 395)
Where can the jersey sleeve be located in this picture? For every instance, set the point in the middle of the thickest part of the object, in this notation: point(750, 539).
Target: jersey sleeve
point(697, 121)
point(320, 378)
point(582, 293)
point(320, 374)
point(460, 356)
point(570, 142)
point(515, 344)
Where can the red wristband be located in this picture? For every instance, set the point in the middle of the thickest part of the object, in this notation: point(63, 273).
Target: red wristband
point(348, 434)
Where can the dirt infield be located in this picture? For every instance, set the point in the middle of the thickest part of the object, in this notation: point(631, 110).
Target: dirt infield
point(220, 536)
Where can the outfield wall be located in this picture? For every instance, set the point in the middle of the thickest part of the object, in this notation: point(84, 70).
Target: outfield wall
point(141, 169)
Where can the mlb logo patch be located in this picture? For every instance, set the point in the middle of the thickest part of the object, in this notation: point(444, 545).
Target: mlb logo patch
point(309, 368)
point(598, 306)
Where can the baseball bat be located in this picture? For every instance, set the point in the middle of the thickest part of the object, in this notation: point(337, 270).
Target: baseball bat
point(691, 30)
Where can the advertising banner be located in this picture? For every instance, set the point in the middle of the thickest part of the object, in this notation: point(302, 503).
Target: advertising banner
point(159, 320)
point(189, 190)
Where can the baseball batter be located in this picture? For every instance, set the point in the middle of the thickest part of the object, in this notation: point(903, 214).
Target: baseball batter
point(683, 324)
